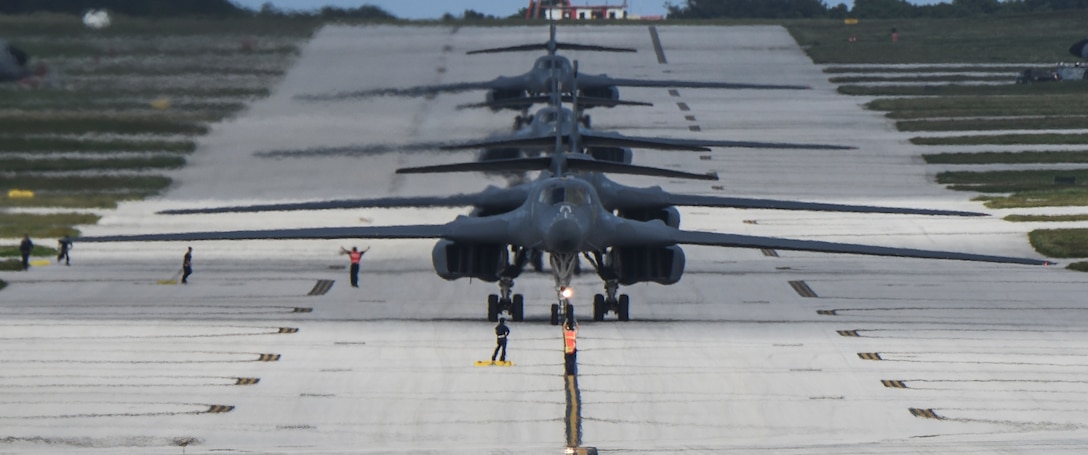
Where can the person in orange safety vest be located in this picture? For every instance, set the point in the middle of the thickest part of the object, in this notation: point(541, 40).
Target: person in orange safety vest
point(570, 347)
point(355, 255)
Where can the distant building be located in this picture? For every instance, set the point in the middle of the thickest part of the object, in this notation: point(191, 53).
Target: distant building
point(569, 11)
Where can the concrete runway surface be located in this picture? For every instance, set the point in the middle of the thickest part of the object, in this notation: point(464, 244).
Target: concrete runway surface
point(752, 352)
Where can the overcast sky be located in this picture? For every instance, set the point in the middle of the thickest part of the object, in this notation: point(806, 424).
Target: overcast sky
point(432, 9)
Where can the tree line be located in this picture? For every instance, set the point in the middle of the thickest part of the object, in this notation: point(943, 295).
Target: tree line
point(867, 9)
point(167, 8)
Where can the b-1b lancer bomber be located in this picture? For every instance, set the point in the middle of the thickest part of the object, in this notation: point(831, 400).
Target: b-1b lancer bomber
point(521, 91)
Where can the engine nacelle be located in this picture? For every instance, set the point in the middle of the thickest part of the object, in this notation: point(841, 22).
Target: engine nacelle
point(612, 154)
point(609, 92)
point(506, 95)
point(484, 261)
point(669, 215)
point(662, 265)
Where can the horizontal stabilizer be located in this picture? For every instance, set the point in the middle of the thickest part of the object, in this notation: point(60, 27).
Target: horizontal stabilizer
point(587, 140)
point(551, 46)
point(583, 101)
point(545, 163)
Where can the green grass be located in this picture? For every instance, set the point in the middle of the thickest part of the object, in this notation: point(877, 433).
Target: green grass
point(1040, 123)
point(984, 39)
point(1004, 139)
point(58, 25)
point(57, 225)
point(942, 78)
point(12, 251)
point(1060, 243)
point(1067, 197)
point(38, 144)
point(104, 183)
point(1066, 87)
point(74, 201)
point(1078, 266)
point(1031, 179)
point(979, 106)
point(923, 69)
point(80, 164)
point(1033, 157)
point(11, 265)
point(1050, 218)
point(98, 123)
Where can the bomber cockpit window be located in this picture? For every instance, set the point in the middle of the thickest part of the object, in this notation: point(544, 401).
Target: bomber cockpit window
point(559, 194)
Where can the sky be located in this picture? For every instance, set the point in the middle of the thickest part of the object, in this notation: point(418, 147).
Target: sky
point(433, 9)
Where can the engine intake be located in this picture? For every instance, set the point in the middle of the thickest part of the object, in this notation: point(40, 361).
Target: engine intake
point(484, 261)
point(643, 264)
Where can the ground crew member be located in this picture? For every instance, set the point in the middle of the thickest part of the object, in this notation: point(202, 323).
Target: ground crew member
point(355, 255)
point(501, 332)
point(187, 266)
point(25, 247)
point(570, 347)
point(64, 245)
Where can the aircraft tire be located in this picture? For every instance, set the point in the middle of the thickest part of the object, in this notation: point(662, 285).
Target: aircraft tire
point(517, 308)
point(623, 307)
point(555, 314)
point(599, 308)
point(493, 307)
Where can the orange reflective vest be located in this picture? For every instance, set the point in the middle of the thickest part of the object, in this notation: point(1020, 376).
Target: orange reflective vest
point(569, 341)
point(355, 256)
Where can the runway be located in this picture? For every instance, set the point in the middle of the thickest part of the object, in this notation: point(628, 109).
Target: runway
point(752, 352)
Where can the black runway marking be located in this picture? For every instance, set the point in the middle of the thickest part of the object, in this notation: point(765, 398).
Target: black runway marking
point(657, 45)
point(803, 289)
point(683, 106)
point(925, 413)
point(321, 287)
point(695, 128)
point(769, 252)
point(674, 92)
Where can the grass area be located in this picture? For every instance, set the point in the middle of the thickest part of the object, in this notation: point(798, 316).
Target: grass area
point(1065, 87)
point(1004, 139)
point(1047, 218)
point(928, 78)
point(1027, 104)
point(121, 26)
point(1078, 266)
point(73, 201)
point(102, 183)
point(1026, 157)
point(12, 251)
point(1060, 243)
point(1033, 123)
point(57, 225)
point(1006, 70)
point(1029, 180)
point(10, 265)
point(79, 164)
point(1066, 197)
point(39, 144)
point(1031, 188)
point(985, 39)
point(98, 123)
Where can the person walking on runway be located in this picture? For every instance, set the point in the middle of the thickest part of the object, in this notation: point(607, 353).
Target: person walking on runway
point(187, 266)
point(501, 332)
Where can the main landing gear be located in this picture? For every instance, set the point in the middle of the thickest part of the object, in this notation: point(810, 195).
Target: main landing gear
point(505, 301)
point(608, 302)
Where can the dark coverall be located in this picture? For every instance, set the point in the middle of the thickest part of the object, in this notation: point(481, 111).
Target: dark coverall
point(187, 266)
point(501, 332)
point(25, 247)
point(65, 245)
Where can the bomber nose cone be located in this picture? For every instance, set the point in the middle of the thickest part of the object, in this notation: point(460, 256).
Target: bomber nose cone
point(564, 235)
